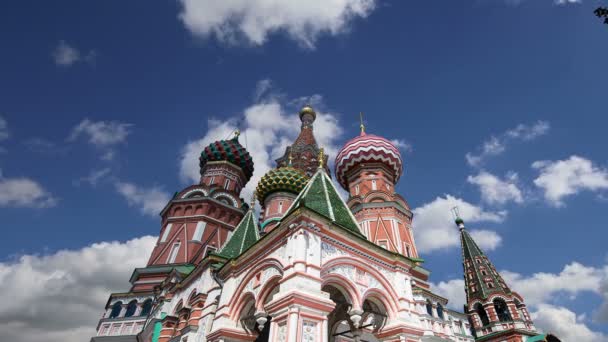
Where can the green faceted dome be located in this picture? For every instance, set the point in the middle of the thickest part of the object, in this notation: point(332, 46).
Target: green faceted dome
point(285, 178)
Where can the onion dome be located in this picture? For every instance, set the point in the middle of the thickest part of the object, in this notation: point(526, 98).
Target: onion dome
point(231, 151)
point(367, 148)
point(307, 109)
point(285, 178)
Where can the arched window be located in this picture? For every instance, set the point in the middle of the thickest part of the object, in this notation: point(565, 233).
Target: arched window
point(429, 307)
point(131, 308)
point(483, 316)
point(502, 310)
point(520, 310)
point(440, 311)
point(146, 308)
point(116, 308)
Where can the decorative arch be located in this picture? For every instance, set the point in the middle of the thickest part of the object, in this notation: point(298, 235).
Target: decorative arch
point(246, 299)
point(195, 193)
point(179, 306)
point(191, 297)
point(481, 313)
point(345, 286)
point(218, 195)
point(502, 310)
point(381, 194)
point(146, 308)
point(348, 260)
point(381, 297)
point(241, 288)
point(267, 288)
point(131, 308)
point(116, 309)
point(499, 296)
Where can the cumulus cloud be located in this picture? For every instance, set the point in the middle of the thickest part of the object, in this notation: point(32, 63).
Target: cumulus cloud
point(498, 144)
point(541, 292)
point(252, 21)
point(564, 324)
point(65, 55)
point(61, 296)
point(104, 135)
point(495, 190)
point(435, 229)
point(22, 192)
point(150, 201)
point(3, 129)
point(562, 178)
point(573, 279)
point(269, 126)
point(453, 290)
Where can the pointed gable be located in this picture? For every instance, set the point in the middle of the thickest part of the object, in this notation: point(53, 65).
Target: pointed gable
point(320, 195)
point(244, 236)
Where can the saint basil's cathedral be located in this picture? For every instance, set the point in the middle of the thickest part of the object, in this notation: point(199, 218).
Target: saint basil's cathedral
point(312, 267)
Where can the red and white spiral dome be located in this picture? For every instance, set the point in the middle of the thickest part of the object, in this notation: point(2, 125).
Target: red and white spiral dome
point(364, 149)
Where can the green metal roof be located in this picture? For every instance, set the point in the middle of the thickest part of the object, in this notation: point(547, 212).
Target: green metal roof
point(320, 195)
point(471, 252)
point(245, 235)
point(537, 338)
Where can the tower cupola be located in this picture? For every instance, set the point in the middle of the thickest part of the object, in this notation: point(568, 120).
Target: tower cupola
point(368, 149)
point(276, 191)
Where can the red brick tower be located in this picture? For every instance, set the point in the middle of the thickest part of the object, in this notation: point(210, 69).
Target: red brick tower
point(279, 187)
point(368, 167)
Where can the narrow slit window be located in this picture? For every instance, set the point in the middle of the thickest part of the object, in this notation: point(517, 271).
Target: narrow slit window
point(199, 231)
point(227, 184)
point(166, 232)
point(173, 254)
point(374, 187)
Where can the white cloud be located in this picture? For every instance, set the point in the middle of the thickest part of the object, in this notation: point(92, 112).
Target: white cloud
point(486, 239)
point(498, 144)
point(495, 190)
point(3, 129)
point(252, 21)
point(270, 125)
point(562, 178)
point(65, 55)
point(402, 145)
point(566, 2)
point(541, 291)
point(435, 229)
point(453, 290)
point(104, 135)
point(541, 287)
point(94, 177)
point(564, 324)
point(150, 201)
point(24, 193)
point(61, 296)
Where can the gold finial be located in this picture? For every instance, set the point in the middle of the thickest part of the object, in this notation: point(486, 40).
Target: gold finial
point(290, 158)
point(361, 125)
point(237, 132)
point(321, 157)
point(253, 200)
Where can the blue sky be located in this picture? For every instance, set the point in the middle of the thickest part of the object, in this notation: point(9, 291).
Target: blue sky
point(103, 107)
